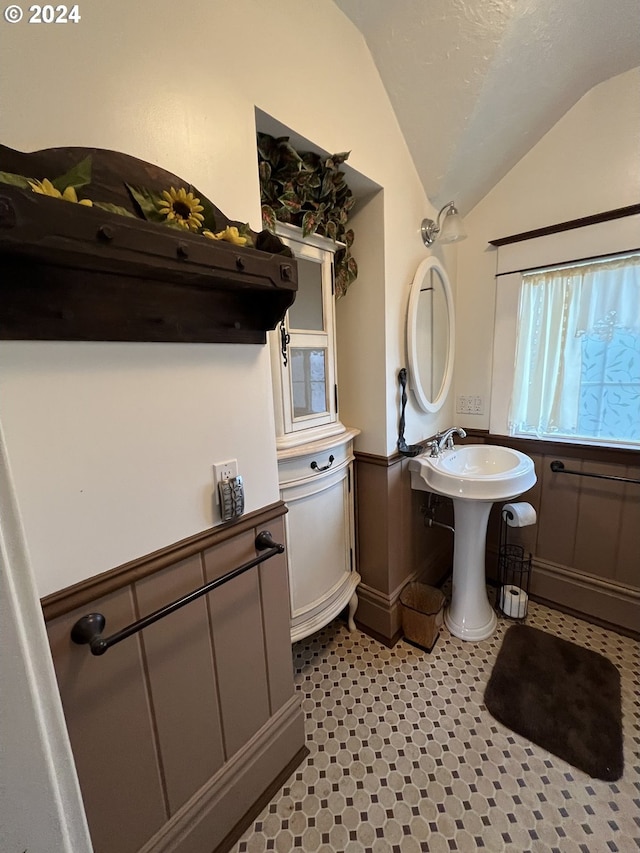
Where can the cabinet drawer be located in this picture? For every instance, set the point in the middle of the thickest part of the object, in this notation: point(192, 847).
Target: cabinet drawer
point(315, 460)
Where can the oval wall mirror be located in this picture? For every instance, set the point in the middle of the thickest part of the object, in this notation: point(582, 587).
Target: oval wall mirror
point(430, 335)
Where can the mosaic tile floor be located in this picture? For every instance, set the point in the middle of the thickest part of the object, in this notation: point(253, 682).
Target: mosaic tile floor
point(404, 756)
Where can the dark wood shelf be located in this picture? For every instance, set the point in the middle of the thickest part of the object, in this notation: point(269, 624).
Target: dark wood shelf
point(72, 272)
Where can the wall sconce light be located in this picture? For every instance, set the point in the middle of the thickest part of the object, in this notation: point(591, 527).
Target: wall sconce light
point(447, 229)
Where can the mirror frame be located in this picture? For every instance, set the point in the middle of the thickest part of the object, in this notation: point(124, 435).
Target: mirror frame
point(424, 268)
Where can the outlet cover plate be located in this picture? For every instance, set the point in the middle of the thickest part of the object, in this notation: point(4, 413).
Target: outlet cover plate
point(224, 471)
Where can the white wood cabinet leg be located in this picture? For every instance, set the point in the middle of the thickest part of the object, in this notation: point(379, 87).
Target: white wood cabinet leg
point(353, 606)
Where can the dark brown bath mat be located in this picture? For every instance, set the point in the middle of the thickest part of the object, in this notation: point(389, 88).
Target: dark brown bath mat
point(560, 696)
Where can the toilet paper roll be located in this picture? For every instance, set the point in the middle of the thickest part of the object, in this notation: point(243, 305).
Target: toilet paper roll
point(513, 601)
point(522, 514)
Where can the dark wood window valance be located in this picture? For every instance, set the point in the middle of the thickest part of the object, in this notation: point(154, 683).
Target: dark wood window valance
point(72, 272)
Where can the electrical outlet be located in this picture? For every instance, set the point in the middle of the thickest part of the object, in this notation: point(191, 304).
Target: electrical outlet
point(463, 404)
point(224, 471)
point(470, 404)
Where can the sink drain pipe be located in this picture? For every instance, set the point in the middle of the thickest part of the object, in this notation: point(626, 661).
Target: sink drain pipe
point(431, 522)
point(429, 510)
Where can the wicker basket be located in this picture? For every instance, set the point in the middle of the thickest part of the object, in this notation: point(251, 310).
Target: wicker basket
point(422, 614)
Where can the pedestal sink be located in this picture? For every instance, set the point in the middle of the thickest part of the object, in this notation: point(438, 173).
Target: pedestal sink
point(474, 476)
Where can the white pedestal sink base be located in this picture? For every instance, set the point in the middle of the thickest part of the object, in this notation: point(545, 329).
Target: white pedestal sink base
point(470, 615)
point(474, 476)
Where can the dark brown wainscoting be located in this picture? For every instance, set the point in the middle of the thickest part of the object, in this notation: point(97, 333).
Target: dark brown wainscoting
point(586, 541)
point(178, 731)
point(394, 545)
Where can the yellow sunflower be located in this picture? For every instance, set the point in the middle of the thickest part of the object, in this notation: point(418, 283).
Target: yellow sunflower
point(45, 187)
point(182, 207)
point(230, 235)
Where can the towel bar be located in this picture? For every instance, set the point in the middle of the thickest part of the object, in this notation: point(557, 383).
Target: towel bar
point(88, 629)
point(558, 468)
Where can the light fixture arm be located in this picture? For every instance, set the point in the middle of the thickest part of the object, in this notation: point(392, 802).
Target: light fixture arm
point(431, 229)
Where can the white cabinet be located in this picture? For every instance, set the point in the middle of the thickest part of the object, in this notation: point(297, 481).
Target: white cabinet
point(315, 450)
point(316, 483)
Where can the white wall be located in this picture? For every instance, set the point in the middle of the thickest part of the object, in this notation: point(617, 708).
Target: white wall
point(586, 164)
point(111, 445)
point(40, 802)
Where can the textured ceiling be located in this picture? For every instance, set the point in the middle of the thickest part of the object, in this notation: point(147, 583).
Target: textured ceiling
point(476, 83)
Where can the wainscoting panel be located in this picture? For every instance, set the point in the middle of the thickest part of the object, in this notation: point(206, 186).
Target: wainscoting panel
point(106, 706)
point(274, 594)
point(181, 681)
point(598, 530)
point(394, 544)
point(238, 641)
point(586, 541)
point(181, 729)
point(557, 512)
point(628, 564)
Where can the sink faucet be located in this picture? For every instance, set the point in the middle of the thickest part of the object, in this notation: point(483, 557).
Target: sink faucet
point(444, 441)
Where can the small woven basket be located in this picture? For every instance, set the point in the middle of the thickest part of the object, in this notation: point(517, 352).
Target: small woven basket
point(422, 614)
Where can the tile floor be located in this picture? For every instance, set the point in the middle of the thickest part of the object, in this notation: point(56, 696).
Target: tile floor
point(404, 756)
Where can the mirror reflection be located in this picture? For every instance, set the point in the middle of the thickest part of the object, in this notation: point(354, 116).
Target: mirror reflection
point(430, 335)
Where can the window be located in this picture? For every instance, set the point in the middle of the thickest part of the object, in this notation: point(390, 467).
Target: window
point(577, 353)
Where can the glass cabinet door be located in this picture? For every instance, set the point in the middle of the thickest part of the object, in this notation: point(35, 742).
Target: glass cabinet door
point(308, 377)
point(308, 381)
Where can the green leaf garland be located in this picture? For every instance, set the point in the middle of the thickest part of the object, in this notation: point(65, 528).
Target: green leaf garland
point(310, 191)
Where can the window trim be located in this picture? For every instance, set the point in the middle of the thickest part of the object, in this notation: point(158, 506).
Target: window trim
point(604, 216)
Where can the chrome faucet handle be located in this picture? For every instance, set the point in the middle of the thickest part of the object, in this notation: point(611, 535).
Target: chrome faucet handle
point(434, 448)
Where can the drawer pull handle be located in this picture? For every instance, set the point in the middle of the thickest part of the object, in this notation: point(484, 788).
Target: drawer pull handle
point(317, 467)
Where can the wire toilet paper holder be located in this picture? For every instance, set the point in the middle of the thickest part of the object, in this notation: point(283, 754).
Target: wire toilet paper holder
point(514, 574)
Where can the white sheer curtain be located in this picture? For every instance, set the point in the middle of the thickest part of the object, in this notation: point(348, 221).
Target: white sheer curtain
point(558, 307)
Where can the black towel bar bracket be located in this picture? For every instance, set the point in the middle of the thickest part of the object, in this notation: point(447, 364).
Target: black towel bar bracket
point(558, 468)
point(88, 629)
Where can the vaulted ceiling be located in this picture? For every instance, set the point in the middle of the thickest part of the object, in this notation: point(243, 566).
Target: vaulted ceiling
point(476, 83)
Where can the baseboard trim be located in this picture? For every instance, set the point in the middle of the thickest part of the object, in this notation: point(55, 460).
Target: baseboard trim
point(595, 599)
point(593, 620)
point(379, 613)
point(225, 805)
point(239, 829)
point(382, 611)
point(389, 642)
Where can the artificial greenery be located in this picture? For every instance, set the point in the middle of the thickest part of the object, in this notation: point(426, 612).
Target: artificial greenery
point(305, 189)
